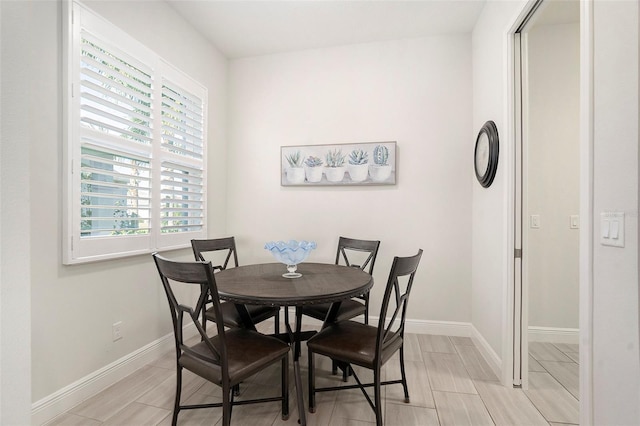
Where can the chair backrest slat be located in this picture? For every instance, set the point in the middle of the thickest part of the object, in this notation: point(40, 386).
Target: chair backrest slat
point(348, 245)
point(391, 329)
point(200, 247)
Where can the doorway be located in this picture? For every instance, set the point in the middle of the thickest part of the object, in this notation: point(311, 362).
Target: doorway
point(547, 222)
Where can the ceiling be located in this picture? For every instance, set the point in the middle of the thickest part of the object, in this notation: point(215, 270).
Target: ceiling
point(240, 28)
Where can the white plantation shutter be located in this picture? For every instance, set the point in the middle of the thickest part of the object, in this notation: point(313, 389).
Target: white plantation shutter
point(182, 122)
point(182, 185)
point(115, 193)
point(136, 181)
point(115, 93)
point(182, 199)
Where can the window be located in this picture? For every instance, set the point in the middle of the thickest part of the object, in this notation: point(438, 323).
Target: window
point(135, 147)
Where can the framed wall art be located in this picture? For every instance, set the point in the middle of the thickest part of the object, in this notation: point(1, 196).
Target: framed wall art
point(372, 163)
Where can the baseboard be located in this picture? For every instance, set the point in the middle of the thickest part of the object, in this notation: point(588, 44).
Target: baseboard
point(48, 408)
point(487, 352)
point(554, 335)
point(442, 328)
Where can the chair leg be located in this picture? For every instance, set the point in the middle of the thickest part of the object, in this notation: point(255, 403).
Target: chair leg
point(176, 404)
point(346, 372)
point(334, 367)
point(312, 383)
point(285, 388)
point(226, 406)
point(366, 309)
point(404, 376)
point(277, 323)
point(377, 398)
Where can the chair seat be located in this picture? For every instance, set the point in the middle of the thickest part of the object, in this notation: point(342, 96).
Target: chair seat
point(352, 342)
point(258, 313)
point(248, 352)
point(348, 309)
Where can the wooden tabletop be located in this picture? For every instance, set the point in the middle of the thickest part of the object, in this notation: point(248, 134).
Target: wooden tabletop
point(264, 284)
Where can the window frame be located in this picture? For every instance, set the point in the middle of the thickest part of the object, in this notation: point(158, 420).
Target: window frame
point(77, 249)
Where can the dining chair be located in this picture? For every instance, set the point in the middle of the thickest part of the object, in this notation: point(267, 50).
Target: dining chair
point(350, 251)
point(367, 346)
point(226, 247)
point(228, 358)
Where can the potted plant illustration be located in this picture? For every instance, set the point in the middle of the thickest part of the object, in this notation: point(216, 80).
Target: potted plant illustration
point(358, 165)
point(381, 169)
point(295, 172)
point(334, 169)
point(313, 169)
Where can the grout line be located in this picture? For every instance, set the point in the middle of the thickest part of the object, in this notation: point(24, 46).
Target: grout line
point(332, 411)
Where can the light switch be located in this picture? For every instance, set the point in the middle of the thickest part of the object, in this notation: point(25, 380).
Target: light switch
point(612, 229)
point(534, 221)
point(574, 221)
point(605, 228)
point(615, 228)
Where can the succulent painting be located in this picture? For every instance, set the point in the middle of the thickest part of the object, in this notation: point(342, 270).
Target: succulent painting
point(295, 159)
point(381, 155)
point(335, 158)
point(312, 161)
point(358, 156)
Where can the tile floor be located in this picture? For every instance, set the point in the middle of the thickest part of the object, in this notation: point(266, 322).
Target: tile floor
point(449, 384)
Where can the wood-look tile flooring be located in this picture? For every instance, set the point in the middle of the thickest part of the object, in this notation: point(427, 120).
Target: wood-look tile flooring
point(449, 384)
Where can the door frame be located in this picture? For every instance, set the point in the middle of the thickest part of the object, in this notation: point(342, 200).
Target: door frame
point(586, 211)
point(517, 298)
point(519, 284)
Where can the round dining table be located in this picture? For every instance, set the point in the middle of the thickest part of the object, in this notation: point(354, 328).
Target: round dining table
point(263, 284)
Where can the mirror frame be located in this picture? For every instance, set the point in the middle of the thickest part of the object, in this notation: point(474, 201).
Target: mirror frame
point(486, 177)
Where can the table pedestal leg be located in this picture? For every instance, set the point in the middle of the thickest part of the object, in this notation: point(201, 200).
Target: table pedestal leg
point(294, 338)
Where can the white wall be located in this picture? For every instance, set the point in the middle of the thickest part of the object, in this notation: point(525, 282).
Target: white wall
point(553, 171)
point(415, 92)
point(73, 307)
point(490, 221)
point(614, 344)
point(15, 290)
point(616, 358)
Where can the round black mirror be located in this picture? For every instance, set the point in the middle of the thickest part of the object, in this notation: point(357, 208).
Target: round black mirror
point(486, 154)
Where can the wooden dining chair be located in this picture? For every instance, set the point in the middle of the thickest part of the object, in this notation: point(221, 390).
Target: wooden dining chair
point(354, 343)
point(226, 248)
point(226, 359)
point(350, 251)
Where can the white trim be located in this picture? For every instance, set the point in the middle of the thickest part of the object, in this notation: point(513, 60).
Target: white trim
point(506, 373)
point(488, 353)
point(586, 212)
point(440, 328)
point(59, 402)
point(554, 335)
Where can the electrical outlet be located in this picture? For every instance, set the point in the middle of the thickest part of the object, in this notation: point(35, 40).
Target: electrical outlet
point(116, 330)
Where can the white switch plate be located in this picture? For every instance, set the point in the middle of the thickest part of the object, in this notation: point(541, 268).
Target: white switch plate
point(116, 331)
point(574, 221)
point(612, 229)
point(534, 221)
